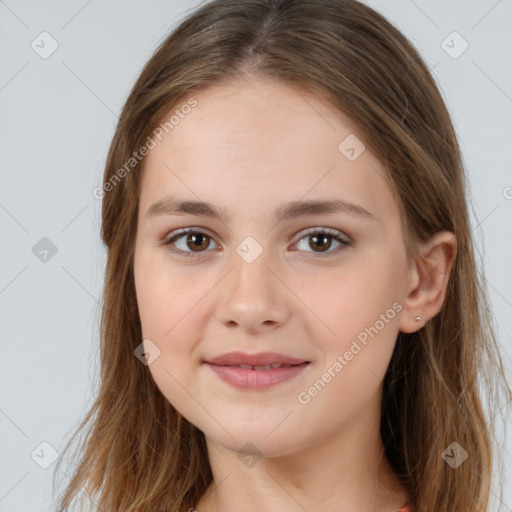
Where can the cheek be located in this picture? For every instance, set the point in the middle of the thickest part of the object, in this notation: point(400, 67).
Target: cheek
point(174, 311)
point(166, 294)
point(349, 299)
point(361, 310)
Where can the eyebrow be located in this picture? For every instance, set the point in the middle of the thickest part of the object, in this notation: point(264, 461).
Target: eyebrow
point(293, 209)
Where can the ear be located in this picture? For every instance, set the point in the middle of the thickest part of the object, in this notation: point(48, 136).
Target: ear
point(428, 280)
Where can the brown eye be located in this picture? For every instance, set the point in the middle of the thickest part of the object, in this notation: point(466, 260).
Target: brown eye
point(189, 242)
point(197, 241)
point(322, 241)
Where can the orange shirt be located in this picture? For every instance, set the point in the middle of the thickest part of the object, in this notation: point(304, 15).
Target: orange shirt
point(406, 508)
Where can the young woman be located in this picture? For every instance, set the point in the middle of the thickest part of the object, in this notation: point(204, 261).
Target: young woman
point(293, 318)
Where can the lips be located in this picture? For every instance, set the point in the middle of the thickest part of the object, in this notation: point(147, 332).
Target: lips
point(262, 360)
point(256, 372)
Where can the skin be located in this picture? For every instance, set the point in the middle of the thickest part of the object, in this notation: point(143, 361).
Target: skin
point(249, 147)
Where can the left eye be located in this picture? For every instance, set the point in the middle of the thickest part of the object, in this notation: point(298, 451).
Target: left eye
point(322, 238)
point(198, 241)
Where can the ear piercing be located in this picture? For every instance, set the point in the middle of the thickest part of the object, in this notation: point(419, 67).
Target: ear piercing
point(419, 319)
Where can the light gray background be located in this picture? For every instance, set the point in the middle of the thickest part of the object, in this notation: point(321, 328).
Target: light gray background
point(57, 117)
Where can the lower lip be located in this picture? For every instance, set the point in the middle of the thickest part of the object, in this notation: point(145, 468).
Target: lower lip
point(256, 379)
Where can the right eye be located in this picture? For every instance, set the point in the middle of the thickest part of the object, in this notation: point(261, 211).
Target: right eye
point(193, 239)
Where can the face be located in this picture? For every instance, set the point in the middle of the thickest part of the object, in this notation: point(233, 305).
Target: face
point(321, 286)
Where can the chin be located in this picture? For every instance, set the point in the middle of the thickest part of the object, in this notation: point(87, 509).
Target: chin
point(255, 441)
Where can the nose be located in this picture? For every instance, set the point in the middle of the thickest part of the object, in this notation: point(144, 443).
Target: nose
point(254, 297)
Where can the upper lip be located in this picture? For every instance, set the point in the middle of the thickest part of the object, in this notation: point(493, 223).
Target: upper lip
point(260, 359)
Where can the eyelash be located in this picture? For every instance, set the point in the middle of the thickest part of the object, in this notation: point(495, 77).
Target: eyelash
point(335, 235)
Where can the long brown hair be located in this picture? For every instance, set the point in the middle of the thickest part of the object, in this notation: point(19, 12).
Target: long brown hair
point(139, 454)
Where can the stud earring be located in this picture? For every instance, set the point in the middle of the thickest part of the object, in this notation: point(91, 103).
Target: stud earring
point(418, 319)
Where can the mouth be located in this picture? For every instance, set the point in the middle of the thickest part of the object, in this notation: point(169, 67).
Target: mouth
point(258, 368)
point(257, 377)
point(261, 360)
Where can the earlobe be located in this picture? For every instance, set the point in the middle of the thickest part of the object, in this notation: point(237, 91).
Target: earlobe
point(428, 281)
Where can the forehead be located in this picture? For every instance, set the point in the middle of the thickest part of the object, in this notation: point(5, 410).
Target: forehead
point(266, 141)
point(245, 116)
